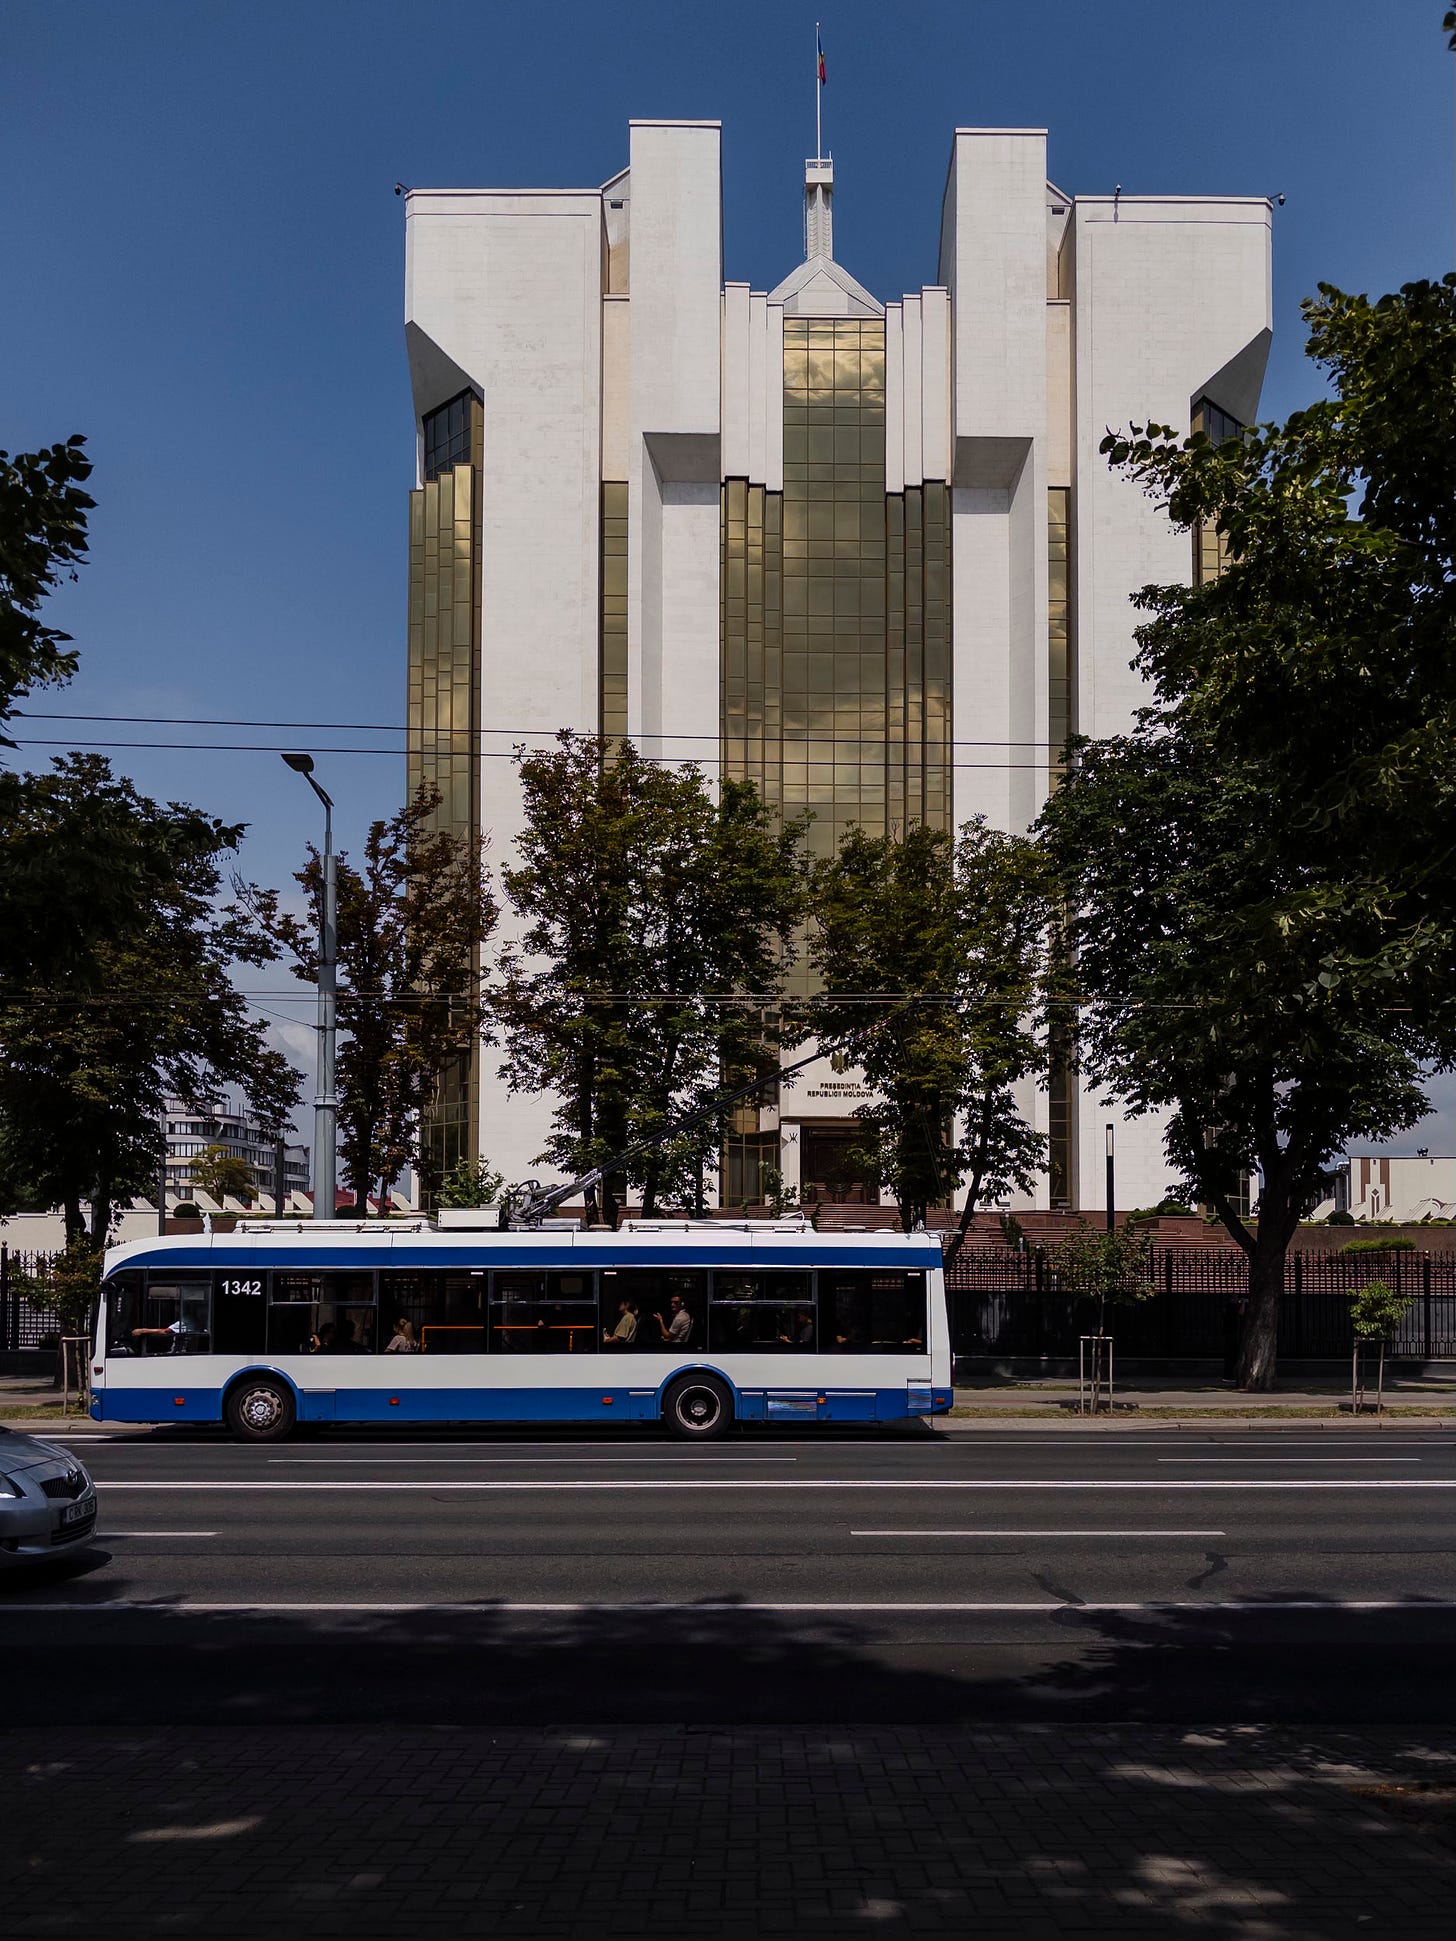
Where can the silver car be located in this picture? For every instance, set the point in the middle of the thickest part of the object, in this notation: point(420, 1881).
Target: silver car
point(47, 1500)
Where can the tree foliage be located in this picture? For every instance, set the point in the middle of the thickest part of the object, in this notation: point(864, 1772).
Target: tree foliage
point(930, 949)
point(66, 1285)
point(1260, 874)
point(467, 1185)
point(1110, 1268)
point(93, 1042)
point(42, 539)
point(220, 1173)
point(648, 912)
point(1376, 1310)
point(412, 924)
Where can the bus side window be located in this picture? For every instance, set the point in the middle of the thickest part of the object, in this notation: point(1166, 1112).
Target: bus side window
point(865, 1312)
point(770, 1312)
point(664, 1295)
point(331, 1313)
point(543, 1313)
point(175, 1317)
point(444, 1310)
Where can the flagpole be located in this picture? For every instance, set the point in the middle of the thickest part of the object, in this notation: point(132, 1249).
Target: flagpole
point(818, 102)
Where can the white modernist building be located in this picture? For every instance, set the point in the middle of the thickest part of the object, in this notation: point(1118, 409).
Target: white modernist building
point(863, 551)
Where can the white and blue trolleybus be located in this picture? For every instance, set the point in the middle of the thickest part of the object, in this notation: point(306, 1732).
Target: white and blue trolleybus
point(695, 1324)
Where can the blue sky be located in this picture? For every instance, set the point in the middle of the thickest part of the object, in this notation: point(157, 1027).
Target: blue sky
point(204, 263)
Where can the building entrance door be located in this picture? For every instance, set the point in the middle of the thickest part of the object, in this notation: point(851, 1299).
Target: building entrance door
point(828, 1172)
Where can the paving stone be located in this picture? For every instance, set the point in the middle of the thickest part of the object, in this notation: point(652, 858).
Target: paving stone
point(706, 1836)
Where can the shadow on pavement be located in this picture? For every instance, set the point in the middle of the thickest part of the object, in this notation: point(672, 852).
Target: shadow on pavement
point(718, 1773)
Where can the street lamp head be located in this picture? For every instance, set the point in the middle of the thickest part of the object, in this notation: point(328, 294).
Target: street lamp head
point(302, 764)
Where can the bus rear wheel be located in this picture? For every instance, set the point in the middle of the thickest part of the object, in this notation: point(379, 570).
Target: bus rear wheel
point(698, 1408)
point(259, 1410)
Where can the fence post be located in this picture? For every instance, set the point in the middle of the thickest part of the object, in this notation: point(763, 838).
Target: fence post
point(1426, 1306)
point(6, 1343)
point(1297, 1354)
point(1168, 1336)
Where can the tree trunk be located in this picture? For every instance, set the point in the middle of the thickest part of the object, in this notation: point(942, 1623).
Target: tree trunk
point(611, 1205)
point(75, 1225)
point(973, 1191)
point(101, 1207)
point(1259, 1340)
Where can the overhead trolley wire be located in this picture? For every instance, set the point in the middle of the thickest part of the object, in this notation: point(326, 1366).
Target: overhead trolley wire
point(454, 734)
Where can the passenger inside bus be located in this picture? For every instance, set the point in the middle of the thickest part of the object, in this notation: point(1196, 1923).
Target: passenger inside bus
point(625, 1332)
point(801, 1330)
point(678, 1331)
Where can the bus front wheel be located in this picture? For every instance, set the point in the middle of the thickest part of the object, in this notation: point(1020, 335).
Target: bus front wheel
point(260, 1410)
point(698, 1407)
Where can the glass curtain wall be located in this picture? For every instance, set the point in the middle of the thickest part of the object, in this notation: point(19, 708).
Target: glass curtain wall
point(443, 738)
point(836, 622)
point(836, 606)
point(1210, 546)
point(613, 645)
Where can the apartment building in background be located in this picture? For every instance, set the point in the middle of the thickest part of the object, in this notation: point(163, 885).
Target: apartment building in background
point(859, 546)
point(190, 1132)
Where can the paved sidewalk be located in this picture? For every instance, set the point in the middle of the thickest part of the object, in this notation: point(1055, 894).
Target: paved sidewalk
point(1162, 1399)
point(1255, 1834)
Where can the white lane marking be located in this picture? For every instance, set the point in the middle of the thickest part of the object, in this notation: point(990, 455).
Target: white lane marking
point(110, 1535)
point(1263, 1461)
point(513, 1462)
point(1038, 1533)
point(40, 1433)
point(1244, 1606)
point(618, 1484)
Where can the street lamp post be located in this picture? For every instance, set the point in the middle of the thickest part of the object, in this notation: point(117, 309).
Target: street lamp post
point(1111, 1192)
point(325, 1105)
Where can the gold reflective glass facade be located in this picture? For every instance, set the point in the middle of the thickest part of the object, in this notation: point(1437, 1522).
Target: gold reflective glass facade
point(836, 624)
point(836, 627)
point(1059, 623)
point(1061, 722)
point(917, 656)
point(613, 644)
point(443, 737)
point(1210, 546)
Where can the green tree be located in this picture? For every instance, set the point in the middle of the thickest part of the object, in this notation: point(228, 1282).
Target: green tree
point(1200, 976)
point(413, 922)
point(65, 1284)
point(42, 539)
point(932, 952)
point(467, 1185)
point(220, 1173)
point(651, 913)
point(1376, 1310)
point(1110, 1268)
point(91, 1046)
point(1265, 910)
point(63, 881)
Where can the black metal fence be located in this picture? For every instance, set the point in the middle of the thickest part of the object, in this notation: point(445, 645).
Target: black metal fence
point(26, 1317)
point(1005, 1303)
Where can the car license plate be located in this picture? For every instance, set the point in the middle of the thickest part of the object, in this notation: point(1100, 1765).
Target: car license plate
point(77, 1512)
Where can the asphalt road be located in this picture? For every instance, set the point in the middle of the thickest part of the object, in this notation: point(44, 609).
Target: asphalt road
point(1271, 1575)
